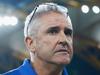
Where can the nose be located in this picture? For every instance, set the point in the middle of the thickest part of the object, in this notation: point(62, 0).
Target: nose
point(63, 39)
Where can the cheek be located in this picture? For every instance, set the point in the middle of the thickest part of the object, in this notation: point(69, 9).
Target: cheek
point(51, 41)
point(46, 44)
point(48, 41)
point(44, 48)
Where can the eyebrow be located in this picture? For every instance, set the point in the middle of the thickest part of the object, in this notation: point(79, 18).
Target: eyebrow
point(53, 28)
point(57, 28)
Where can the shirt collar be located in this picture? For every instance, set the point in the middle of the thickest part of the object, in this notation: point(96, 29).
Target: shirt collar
point(26, 69)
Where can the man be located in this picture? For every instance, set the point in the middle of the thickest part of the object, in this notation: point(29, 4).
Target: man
point(49, 39)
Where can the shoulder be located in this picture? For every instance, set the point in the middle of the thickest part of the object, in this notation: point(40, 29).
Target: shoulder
point(12, 72)
point(24, 69)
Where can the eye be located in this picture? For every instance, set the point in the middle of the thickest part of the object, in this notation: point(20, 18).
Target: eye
point(68, 32)
point(53, 30)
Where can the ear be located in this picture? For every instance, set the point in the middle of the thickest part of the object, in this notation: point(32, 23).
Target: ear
point(30, 44)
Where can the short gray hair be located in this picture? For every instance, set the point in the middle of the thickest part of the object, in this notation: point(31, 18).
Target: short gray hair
point(39, 10)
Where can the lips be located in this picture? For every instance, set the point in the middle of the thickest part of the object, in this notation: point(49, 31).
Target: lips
point(62, 50)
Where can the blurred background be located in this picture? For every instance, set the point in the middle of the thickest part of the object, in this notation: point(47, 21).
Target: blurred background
point(85, 15)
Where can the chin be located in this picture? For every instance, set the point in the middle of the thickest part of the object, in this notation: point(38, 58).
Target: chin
point(63, 62)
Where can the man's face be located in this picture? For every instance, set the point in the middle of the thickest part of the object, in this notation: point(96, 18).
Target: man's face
point(54, 39)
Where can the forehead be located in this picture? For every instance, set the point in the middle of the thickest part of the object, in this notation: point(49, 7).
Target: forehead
point(55, 19)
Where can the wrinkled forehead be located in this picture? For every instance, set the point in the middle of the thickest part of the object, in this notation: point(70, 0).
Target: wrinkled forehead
point(54, 19)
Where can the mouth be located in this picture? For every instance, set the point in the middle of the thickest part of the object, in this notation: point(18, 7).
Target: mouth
point(62, 50)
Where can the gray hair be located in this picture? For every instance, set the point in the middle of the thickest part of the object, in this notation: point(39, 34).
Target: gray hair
point(31, 19)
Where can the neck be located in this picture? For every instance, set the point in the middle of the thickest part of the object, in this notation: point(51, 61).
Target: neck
point(45, 68)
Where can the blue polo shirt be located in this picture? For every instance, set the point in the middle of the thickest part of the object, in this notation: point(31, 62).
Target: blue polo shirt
point(26, 69)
